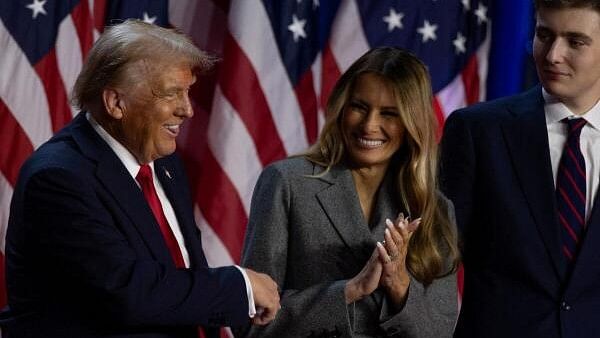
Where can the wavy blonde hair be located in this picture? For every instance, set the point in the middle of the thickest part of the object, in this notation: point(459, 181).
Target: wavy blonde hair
point(433, 250)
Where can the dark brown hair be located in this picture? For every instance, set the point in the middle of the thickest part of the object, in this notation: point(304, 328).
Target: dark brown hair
point(561, 4)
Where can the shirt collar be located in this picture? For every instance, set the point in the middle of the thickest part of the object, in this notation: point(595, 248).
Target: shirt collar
point(126, 157)
point(557, 111)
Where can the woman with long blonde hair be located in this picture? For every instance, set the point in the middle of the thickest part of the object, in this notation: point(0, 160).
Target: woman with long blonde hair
point(354, 231)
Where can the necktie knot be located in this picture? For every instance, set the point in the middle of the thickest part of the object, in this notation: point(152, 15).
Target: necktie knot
point(144, 175)
point(575, 126)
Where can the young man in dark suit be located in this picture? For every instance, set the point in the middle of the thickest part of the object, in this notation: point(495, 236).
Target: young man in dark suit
point(101, 239)
point(523, 174)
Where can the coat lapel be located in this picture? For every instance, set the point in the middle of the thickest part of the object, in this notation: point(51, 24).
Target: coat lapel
point(526, 136)
point(341, 205)
point(113, 175)
point(588, 260)
point(175, 188)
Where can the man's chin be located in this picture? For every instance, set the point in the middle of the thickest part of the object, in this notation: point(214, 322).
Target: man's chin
point(167, 151)
point(555, 89)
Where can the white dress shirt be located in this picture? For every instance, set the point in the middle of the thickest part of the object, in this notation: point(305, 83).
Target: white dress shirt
point(589, 143)
point(133, 167)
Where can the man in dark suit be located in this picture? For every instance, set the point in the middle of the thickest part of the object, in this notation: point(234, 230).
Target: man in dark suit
point(523, 174)
point(102, 240)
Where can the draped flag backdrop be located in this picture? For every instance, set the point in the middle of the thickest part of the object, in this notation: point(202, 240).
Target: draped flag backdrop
point(265, 99)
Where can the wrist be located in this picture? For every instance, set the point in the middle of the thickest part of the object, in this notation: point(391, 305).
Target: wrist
point(397, 291)
point(352, 292)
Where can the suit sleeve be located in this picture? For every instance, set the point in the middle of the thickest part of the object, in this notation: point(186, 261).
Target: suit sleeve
point(458, 168)
point(88, 248)
point(318, 310)
point(429, 311)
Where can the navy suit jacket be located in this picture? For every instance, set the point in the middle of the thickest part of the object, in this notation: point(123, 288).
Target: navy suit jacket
point(85, 256)
point(496, 169)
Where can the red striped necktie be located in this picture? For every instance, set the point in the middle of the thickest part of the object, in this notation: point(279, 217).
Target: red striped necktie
point(571, 191)
point(144, 178)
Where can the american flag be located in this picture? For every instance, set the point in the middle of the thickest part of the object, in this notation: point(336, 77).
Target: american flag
point(264, 101)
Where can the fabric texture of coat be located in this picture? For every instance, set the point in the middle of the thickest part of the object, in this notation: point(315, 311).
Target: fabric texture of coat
point(497, 170)
point(85, 256)
point(310, 235)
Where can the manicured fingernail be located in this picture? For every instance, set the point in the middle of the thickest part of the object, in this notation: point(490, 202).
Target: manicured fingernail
point(415, 224)
point(389, 222)
point(379, 244)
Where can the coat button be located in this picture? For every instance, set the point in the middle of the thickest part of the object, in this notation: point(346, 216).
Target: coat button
point(565, 306)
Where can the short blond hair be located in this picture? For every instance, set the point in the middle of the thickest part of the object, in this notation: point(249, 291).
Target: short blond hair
point(124, 44)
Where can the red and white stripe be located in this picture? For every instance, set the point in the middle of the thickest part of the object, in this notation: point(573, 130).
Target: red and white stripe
point(248, 114)
point(257, 116)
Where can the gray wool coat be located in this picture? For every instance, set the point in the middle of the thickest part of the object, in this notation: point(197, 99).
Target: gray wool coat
point(309, 234)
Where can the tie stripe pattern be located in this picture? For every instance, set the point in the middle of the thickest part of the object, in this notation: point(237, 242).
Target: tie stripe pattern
point(571, 191)
point(144, 178)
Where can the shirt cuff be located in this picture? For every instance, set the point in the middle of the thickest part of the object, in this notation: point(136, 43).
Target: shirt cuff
point(251, 306)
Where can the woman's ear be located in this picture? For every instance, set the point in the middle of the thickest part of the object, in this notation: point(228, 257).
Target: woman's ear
point(113, 103)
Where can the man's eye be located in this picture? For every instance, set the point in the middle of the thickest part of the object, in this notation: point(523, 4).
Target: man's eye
point(542, 36)
point(576, 43)
point(170, 95)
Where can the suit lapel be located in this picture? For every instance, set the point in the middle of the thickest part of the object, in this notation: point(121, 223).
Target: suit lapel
point(113, 175)
point(341, 205)
point(526, 136)
point(174, 187)
point(588, 260)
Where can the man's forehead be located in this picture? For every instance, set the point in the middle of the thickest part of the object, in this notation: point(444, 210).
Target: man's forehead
point(584, 21)
point(162, 68)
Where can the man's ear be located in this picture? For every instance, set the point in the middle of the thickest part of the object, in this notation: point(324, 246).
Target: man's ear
point(113, 103)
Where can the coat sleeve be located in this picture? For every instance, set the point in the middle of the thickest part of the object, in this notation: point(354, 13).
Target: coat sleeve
point(429, 311)
point(319, 310)
point(458, 167)
point(90, 247)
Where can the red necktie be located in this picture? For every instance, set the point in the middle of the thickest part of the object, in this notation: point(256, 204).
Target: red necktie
point(144, 178)
point(571, 191)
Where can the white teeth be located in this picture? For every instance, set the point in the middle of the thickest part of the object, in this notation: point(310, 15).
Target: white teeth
point(370, 143)
point(173, 128)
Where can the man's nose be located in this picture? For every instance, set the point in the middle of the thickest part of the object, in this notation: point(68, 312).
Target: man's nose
point(555, 53)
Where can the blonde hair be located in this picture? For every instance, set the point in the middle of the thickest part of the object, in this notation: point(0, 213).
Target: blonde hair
point(122, 45)
point(433, 250)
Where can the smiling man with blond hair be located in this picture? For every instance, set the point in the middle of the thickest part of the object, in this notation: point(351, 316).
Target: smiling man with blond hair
point(101, 239)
